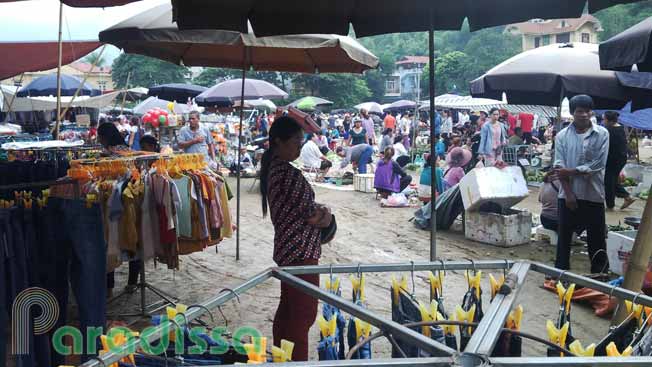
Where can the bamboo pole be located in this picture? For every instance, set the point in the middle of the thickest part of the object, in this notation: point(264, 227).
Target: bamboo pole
point(81, 85)
point(124, 95)
point(55, 132)
point(639, 258)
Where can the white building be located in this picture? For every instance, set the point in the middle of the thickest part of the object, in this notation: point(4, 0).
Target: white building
point(404, 82)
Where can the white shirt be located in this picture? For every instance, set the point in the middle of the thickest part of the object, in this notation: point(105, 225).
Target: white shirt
point(447, 125)
point(399, 150)
point(311, 155)
point(463, 118)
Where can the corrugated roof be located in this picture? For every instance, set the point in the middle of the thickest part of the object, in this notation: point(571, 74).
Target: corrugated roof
point(413, 60)
point(554, 26)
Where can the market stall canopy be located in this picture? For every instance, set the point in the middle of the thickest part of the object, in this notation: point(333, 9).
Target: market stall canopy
point(176, 91)
point(21, 57)
point(231, 90)
point(310, 103)
point(371, 107)
point(370, 17)
point(88, 3)
point(153, 102)
point(260, 104)
point(639, 87)
point(47, 86)
point(453, 101)
point(402, 104)
point(629, 48)
point(545, 75)
point(152, 33)
point(22, 104)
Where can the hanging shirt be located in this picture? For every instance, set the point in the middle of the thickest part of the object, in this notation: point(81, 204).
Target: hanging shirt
point(184, 184)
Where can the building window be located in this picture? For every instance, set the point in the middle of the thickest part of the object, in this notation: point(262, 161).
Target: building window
point(546, 40)
point(586, 38)
point(391, 86)
point(563, 38)
point(537, 42)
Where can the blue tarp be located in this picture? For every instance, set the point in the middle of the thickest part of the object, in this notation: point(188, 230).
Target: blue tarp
point(641, 119)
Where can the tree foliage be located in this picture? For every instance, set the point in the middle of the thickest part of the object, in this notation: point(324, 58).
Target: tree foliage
point(95, 58)
point(145, 71)
point(345, 90)
point(620, 17)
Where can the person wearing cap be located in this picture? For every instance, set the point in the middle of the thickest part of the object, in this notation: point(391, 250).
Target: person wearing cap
point(456, 159)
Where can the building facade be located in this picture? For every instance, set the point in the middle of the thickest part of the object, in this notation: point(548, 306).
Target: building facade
point(540, 32)
point(404, 82)
point(98, 77)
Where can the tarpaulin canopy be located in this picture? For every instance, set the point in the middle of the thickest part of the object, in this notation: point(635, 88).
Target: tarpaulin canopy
point(87, 3)
point(454, 101)
point(641, 119)
point(19, 104)
point(20, 57)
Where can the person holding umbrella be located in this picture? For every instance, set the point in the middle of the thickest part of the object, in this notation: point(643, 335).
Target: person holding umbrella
point(193, 138)
point(581, 151)
point(298, 221)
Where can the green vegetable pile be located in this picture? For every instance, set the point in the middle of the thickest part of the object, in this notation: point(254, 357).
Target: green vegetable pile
point(534, 176)
point(644, 195)
point(412, 167)
point(618, 228)
point(629, 182)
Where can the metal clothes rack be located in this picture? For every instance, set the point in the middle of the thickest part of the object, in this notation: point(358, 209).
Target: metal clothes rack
point(478, 350)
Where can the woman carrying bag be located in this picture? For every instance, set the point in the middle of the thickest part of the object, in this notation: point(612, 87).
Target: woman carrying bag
point(301, 226)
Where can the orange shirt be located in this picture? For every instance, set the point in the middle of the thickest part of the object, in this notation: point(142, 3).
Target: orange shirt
point(390, 122)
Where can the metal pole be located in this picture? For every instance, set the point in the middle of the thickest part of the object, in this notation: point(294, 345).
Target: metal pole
point(570, 361)
point(621, 293)
point(193, 312)
point(55, 132)
point(398, 267)
point(391, 327)
point(237, 218)
point(433, 177)
point(74, 96)
point(488, 331)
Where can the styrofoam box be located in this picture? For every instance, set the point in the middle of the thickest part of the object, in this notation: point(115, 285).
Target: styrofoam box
point(512, 229)
point(506, 187)
point(619, 248)
point(364, 182)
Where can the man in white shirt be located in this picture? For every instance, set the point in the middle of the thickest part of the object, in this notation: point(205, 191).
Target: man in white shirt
point(313, 158)
point(463, 117)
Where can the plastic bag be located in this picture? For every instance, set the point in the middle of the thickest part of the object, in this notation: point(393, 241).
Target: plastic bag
point(397, 200)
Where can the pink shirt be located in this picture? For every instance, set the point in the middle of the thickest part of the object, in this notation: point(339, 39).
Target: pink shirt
point(496, 130)
point(454, 175)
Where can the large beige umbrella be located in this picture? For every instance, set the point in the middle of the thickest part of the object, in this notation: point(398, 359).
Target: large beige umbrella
point(153, 33)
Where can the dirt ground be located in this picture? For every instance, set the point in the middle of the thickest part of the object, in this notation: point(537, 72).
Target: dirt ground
point(366, 234)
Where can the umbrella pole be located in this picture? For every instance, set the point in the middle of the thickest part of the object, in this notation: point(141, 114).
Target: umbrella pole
point(237, 219)
point(55, 132)
point(433, 177)
point(124, 95)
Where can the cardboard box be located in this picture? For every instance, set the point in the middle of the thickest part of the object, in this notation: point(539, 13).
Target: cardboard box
point(506, 187)
point(511, 228)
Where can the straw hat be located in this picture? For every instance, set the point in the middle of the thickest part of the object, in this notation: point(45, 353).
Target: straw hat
point(458, 157)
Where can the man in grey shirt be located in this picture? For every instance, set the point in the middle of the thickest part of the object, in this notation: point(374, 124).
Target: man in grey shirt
point(193, 138)
point(581, 151)
point(359, 155)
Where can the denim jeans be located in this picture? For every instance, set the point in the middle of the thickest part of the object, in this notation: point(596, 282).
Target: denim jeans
point(365, 158)
point(79, 256)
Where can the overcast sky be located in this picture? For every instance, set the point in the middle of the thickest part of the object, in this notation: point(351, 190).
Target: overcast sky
point(37, 20)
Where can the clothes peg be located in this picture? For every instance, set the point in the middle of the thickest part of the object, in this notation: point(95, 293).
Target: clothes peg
point(565, 295)
point(436, 284)
point(495, 284)
point(557, 336)
point(612, 351)
point(358, 285)
point(362, 329)
point(397, 286)
point(577, 349)
point(514, 318)
point(333, 284)
point(636, 310)
point(465, 316)
point(474, 281)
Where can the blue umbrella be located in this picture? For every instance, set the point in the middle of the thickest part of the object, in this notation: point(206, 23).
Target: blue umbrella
point(641, 119)
point(47, 86)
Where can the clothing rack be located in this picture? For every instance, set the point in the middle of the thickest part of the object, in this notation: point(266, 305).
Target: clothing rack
point(165, 298)
point(31, 185)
